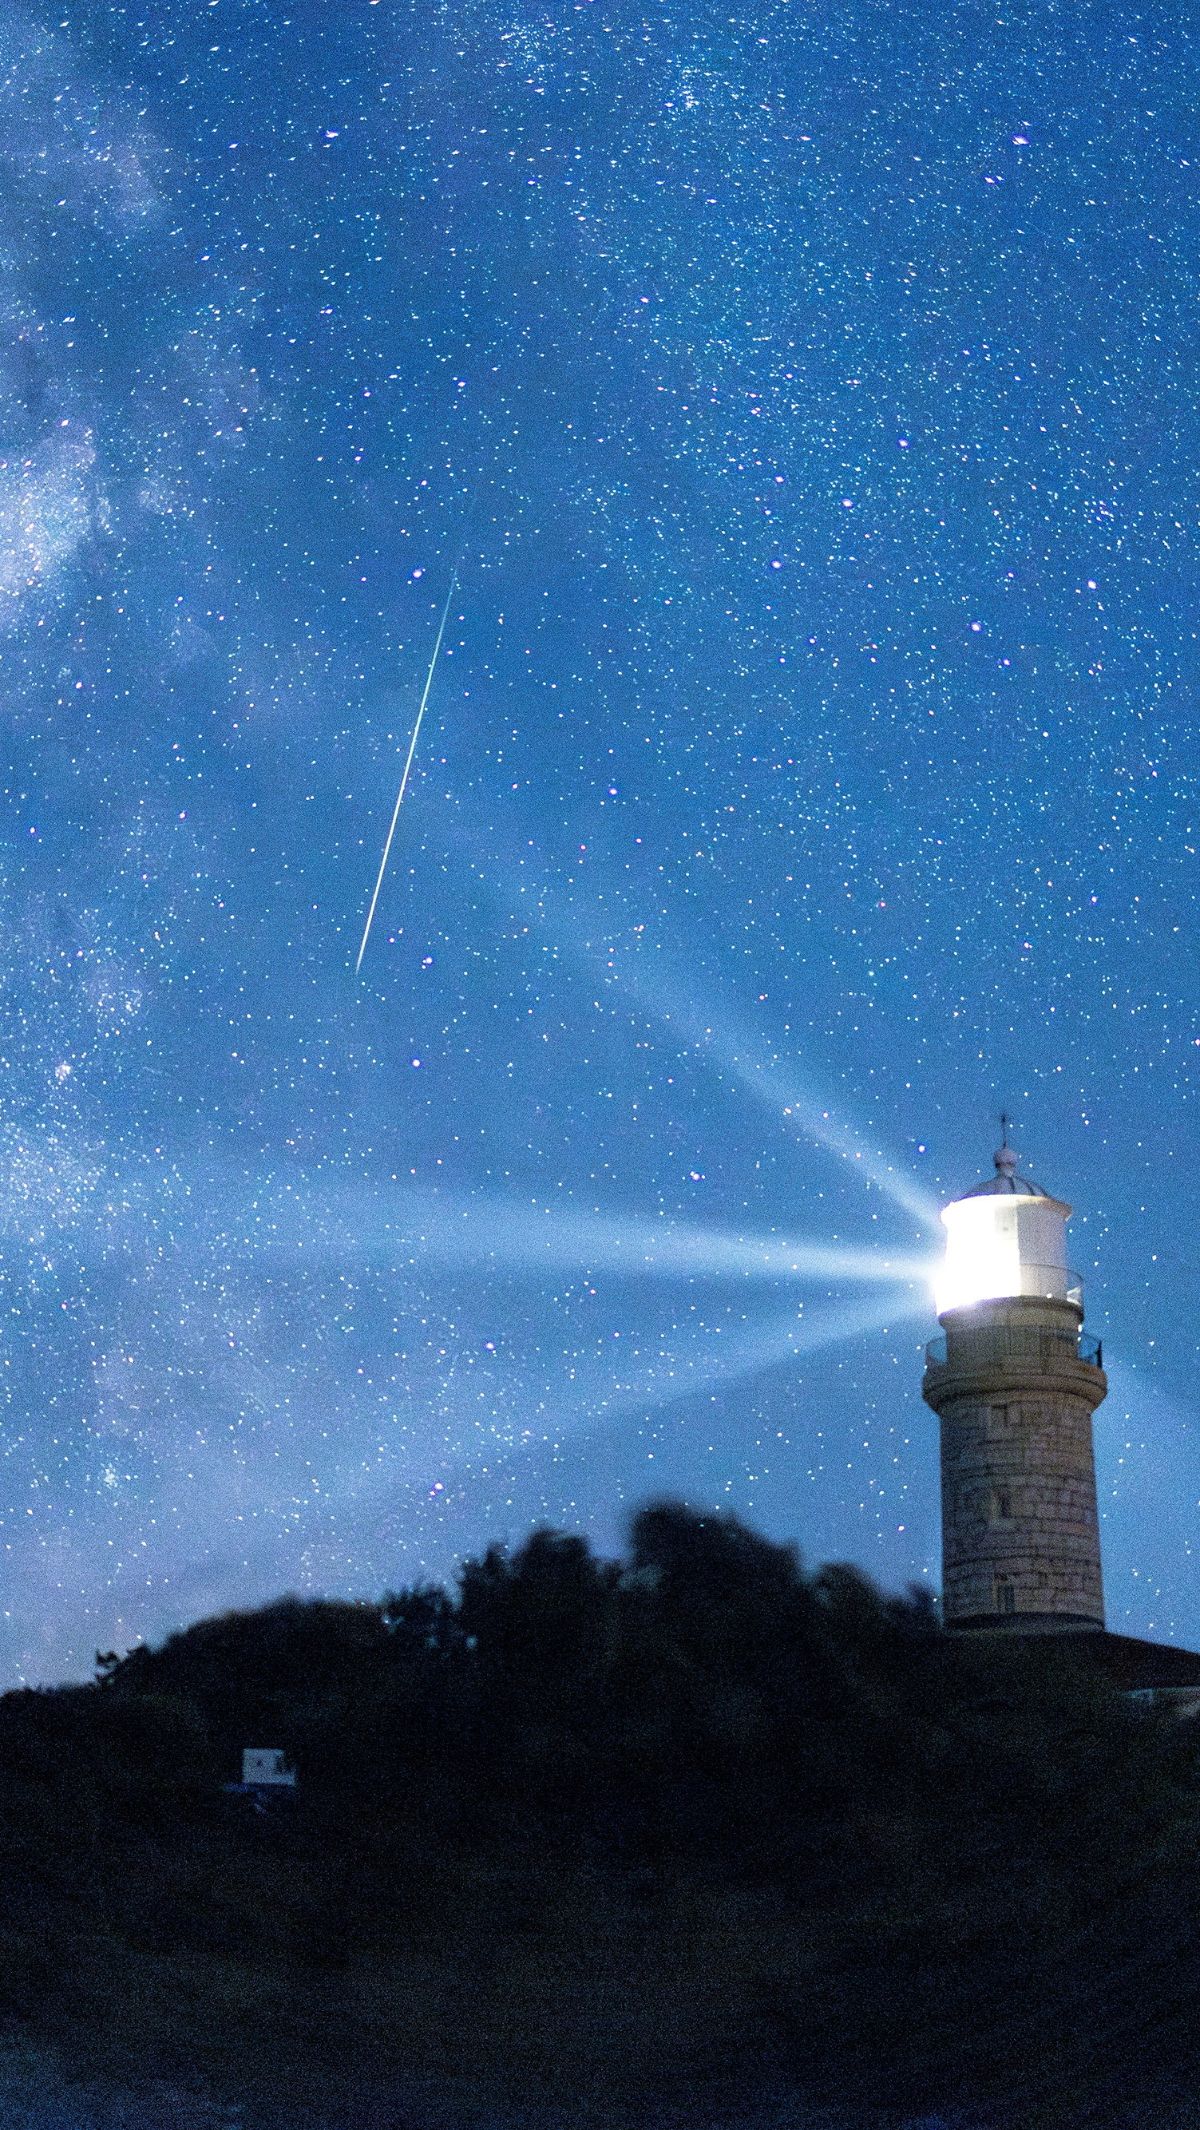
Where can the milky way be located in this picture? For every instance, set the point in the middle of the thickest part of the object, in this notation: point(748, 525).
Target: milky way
point(812, 772)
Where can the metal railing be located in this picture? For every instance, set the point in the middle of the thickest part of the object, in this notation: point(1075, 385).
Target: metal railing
point(1005, 1342)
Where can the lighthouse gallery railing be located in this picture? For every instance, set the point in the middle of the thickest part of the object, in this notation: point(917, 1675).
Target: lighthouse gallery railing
point(1041, 1346)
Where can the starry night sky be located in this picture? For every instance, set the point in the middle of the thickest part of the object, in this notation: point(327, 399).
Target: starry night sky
point(809, 397)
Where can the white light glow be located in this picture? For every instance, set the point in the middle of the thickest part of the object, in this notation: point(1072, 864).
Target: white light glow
point(1000, 1246)
point(983, 1258)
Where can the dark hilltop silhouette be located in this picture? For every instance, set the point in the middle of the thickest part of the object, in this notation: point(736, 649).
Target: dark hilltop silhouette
point(613, 1843)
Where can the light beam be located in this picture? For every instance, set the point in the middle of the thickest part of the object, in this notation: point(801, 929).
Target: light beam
point(646, 974)
point(436, 1227)
point(727, 1359)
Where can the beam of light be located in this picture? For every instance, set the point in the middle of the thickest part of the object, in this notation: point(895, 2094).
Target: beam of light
point(535, 1412)
point(753, 1061)
point(431, 1227)
point(582, 1395)
point(726, 1358)
point(412, 748)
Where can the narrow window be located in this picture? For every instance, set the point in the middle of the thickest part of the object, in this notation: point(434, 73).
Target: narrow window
point(1001, 1506)
point(1005, 1595)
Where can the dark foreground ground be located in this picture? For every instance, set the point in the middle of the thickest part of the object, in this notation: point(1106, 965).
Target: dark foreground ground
point(546, 1994)
point(40, 2089)
point(695, 1842)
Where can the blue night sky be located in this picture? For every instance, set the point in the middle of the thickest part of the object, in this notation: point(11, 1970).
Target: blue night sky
point(809, 397)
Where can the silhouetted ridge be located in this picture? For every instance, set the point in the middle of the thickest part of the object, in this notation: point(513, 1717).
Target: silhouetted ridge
point(695, 1821)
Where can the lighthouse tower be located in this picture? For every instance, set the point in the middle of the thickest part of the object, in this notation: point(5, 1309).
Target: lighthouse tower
point(1014, 1382)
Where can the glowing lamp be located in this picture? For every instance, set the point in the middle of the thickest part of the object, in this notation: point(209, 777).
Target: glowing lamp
point(1003, 1239)
point(982, 1260)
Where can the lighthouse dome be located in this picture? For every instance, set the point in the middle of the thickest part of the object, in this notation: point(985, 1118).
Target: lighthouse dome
point(1006, 1182)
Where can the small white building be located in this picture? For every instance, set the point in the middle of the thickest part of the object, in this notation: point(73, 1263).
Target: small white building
point(266, 1766)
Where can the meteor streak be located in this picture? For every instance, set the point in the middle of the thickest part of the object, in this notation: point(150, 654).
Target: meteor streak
point(412, 748)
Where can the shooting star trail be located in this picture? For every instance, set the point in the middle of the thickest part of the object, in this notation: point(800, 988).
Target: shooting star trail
point(412, 748)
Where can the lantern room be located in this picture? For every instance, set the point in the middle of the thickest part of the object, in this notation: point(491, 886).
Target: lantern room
point(1005, 1239)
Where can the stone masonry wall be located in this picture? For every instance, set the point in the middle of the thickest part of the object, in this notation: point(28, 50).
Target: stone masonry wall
point(1020, 1531)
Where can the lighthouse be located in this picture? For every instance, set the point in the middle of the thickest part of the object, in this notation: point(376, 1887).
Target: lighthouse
point(1014, 1381)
